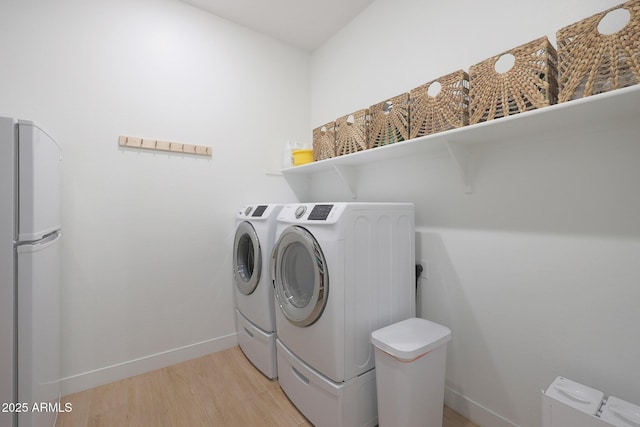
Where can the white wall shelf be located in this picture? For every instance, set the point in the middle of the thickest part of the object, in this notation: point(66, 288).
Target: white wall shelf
point(599, 112)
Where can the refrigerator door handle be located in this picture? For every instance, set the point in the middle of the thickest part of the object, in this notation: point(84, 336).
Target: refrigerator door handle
point(39, 245)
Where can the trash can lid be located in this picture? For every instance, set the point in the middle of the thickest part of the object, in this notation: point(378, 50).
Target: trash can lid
point(576, 395)
point(410, 338)
point(621, 413)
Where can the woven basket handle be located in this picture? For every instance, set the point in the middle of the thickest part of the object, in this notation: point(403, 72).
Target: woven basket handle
point(434, 89)
point(504, 63)
point(614, 21)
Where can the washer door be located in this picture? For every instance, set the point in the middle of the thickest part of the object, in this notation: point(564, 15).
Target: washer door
point(247, 258)
point(300, 276)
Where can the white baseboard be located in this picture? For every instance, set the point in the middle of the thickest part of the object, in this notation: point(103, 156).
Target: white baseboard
point(473, 410)
point(119, 371)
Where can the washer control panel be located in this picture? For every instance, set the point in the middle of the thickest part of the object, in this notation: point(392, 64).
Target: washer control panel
point(258, 212)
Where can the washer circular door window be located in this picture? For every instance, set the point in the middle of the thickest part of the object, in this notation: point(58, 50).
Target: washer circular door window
point(247, 258)
point(301, 277)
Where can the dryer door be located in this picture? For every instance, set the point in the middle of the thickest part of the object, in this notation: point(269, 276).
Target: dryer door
point(247, 258)
point(300, 276)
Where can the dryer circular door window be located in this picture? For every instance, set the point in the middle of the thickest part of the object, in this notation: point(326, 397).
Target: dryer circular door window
point(247, 258)
point(300, 276)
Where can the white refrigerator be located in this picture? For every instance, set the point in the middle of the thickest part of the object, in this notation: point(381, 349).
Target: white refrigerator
point(30, 235)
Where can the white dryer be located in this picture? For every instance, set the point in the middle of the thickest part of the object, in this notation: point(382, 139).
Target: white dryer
point(340, 271)
point(253, 290)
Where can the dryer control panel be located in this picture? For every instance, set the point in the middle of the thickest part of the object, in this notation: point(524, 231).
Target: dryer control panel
point(320, 212)
point(327, 213)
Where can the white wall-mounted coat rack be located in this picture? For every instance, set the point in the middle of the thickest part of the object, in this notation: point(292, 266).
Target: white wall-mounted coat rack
point(153, 144)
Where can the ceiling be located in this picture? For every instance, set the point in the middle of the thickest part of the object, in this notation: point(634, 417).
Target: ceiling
point(306, 24)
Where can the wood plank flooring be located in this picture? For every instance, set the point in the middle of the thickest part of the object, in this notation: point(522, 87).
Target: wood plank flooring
point(220, 389)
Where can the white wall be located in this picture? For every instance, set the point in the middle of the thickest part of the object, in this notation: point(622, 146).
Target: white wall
point(536, 272)
point(148, 235)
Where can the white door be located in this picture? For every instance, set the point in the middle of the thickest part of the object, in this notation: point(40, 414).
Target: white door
point(39, 367)
point(300, 276)
point(247, 258)
point(39, 181)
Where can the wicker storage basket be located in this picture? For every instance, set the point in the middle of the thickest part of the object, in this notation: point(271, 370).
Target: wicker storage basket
point(590, 62)
point(324, 142)
point(352, 132)
point(389, 121)
point(531, 82)
point(446, 110)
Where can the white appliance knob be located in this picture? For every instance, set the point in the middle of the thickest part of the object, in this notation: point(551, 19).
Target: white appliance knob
point(300, 211)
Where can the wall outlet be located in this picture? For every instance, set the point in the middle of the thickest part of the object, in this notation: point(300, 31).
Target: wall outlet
point(425, 269)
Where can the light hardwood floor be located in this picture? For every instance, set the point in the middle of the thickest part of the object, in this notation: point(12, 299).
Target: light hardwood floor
point(221, 389)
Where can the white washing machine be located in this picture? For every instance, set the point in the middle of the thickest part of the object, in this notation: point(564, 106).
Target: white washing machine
point(253, 289)
point(340, 271)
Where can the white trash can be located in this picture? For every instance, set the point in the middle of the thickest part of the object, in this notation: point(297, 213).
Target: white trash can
point(621, 413)
point(410, 359)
